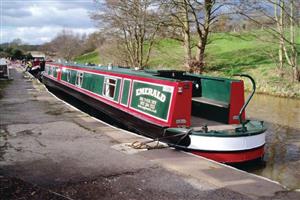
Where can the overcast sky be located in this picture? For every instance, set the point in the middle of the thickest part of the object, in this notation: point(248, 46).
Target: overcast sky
point(38, 21)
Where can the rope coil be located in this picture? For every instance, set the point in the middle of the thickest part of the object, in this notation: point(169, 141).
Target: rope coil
point(145, 145)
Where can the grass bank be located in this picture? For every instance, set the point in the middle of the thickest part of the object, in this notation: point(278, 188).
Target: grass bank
point(227, 54)
point(91, 57)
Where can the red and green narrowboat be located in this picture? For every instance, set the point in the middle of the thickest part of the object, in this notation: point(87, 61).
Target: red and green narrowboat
point(199, 114)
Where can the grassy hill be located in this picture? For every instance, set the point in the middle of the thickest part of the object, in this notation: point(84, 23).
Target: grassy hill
point(226, 55)
point(91, 57)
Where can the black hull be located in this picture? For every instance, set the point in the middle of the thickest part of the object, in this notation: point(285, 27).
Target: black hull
point(36, 73)
point(131, 122)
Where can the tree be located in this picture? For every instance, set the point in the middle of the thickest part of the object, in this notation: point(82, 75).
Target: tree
point(66, 45)
point(16, 42)
point(223, 24)
point(17, 54)
point(180, 19)
point(197, 15)
point(28, 56)
point(204, 14)
point(8, 50)
point(134, 23)
point(93, 41)
point(284, 15)
point(3, 54)
point(293, 61)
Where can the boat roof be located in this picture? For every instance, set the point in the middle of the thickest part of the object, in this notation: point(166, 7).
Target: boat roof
point(3, 61)
point(142, 73)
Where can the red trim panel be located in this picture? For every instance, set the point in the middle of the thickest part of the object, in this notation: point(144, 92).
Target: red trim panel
point(182, 105)
point(232, 157)
point(237, 100)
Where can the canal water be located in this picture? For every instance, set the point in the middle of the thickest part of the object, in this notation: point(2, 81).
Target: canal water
point(282, 116)
point(282, 157)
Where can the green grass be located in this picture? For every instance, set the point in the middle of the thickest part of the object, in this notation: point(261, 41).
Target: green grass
point(167, 54)
point(91, 57)
point(226, 54)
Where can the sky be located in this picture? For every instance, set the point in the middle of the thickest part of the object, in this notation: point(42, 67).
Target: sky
point(39, 21)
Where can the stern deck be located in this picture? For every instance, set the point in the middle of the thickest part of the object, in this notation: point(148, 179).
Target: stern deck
point(197, 123)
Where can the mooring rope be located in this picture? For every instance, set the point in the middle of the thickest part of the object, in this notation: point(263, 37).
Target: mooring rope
point(145, 144)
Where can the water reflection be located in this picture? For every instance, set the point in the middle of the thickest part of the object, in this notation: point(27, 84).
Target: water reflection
point(282, 158)
point(283, 111)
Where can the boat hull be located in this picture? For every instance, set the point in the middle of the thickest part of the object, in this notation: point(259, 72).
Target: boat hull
point(224, 148)
point(232, 156)
point(131, 122)
point(242, 153)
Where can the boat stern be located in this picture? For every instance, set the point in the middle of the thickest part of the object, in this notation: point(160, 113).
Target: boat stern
point(226, 143)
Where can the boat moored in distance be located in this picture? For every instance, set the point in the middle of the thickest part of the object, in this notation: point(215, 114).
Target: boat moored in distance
point(4, 69)
point(199, 114)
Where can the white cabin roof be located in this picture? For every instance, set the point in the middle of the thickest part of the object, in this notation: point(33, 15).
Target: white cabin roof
point(3, 61)
point(37, 54)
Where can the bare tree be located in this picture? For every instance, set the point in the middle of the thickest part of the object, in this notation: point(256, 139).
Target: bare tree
point(93, 41)
point(180, 23)
point(284, 15)
point(293, 32)
point(66, 45)
point(195, 16)
point(203, 26)
point(135, 23)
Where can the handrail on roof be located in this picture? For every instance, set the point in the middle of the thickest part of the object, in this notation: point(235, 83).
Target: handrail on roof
point(248, 100)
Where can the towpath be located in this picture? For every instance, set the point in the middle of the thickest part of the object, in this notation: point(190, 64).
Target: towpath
point(49, 150)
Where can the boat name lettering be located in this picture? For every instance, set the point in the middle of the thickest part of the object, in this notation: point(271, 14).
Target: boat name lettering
point(151, 92)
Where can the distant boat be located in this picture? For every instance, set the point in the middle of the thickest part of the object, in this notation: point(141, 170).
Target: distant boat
point(4, 70)
point(199, 114)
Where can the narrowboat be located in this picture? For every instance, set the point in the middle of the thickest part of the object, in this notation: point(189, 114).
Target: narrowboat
point(199, 114)
point(36, 69)
point(4, 70)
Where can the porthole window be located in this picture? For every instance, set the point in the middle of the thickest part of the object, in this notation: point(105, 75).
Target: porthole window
point(79, 79)
point(109, 87)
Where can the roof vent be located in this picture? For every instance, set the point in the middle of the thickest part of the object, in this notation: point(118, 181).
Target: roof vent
point(109, 67)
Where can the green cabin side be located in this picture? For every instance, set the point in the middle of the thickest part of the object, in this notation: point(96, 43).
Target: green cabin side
point(52, 71)
point(126, 92)
point(155, 102)
point(211, 96)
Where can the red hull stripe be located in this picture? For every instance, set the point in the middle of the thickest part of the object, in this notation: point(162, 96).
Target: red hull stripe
point(232, 157)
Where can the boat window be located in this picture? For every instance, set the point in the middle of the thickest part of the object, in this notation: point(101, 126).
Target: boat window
point(50, 71)
point(46, 69)
point(79, 79)
point(109, 87)
point(68, 76)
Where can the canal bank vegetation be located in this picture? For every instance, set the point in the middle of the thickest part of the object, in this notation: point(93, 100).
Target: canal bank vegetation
point(229, 54)
point(16, 50)
point(216, 37)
